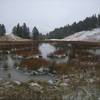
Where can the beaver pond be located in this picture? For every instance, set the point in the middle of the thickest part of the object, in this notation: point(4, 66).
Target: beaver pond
point(66, 72)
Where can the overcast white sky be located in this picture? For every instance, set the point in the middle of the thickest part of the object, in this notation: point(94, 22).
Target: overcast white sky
point(46, 14)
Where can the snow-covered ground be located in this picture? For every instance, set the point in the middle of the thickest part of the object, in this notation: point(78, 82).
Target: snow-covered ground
point(12, 37)
point(92, 36)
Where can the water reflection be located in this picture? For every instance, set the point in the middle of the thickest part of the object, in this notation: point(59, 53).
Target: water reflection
point(8, 70)
point(95, 51)
point(8, 61)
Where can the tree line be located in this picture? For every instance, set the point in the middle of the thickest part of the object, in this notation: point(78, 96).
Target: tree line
point(22, 31)
point(87, 24)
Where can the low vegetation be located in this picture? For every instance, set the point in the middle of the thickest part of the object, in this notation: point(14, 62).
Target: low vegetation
point(34, 63)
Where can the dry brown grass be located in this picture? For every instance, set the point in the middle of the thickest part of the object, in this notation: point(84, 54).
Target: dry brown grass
point(34, 63)
point(27, 53)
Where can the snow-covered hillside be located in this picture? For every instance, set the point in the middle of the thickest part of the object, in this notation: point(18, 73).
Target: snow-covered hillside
point(12, 37)
point(92, 36)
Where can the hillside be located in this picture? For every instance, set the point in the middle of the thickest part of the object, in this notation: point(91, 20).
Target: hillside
point(88, 23)
point(12, 37)
point(91, 36)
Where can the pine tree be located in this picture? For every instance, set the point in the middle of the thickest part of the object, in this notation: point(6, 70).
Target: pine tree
point(2, 30)
point(25, 30)
point(14, 30)
point(35, 33)
point(99, 20)
point(87, 24)
point(21, 31)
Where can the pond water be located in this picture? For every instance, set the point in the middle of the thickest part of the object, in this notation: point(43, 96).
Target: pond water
point(8, 62)
point(8, 70)
point(95, 51)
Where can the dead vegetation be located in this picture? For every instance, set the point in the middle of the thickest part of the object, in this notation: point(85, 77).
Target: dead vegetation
point(34, 63)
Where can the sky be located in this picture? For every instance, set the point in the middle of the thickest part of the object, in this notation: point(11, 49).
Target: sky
point(46, 15)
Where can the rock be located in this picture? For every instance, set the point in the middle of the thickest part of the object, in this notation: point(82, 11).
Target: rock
point(17, 82)
point(50, 82)
point(36, 86)
point(91, 80)
point(63, 84)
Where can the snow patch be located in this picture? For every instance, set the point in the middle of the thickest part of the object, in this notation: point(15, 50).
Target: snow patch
point(12, 37)
point(92, 36)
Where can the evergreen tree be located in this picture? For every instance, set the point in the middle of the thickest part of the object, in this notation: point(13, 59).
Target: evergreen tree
point(14, 30)
point(21, 31)
point(25, 30)
point(87, 24)
point(2, 30)
point(99, 20)
point(35, 33)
